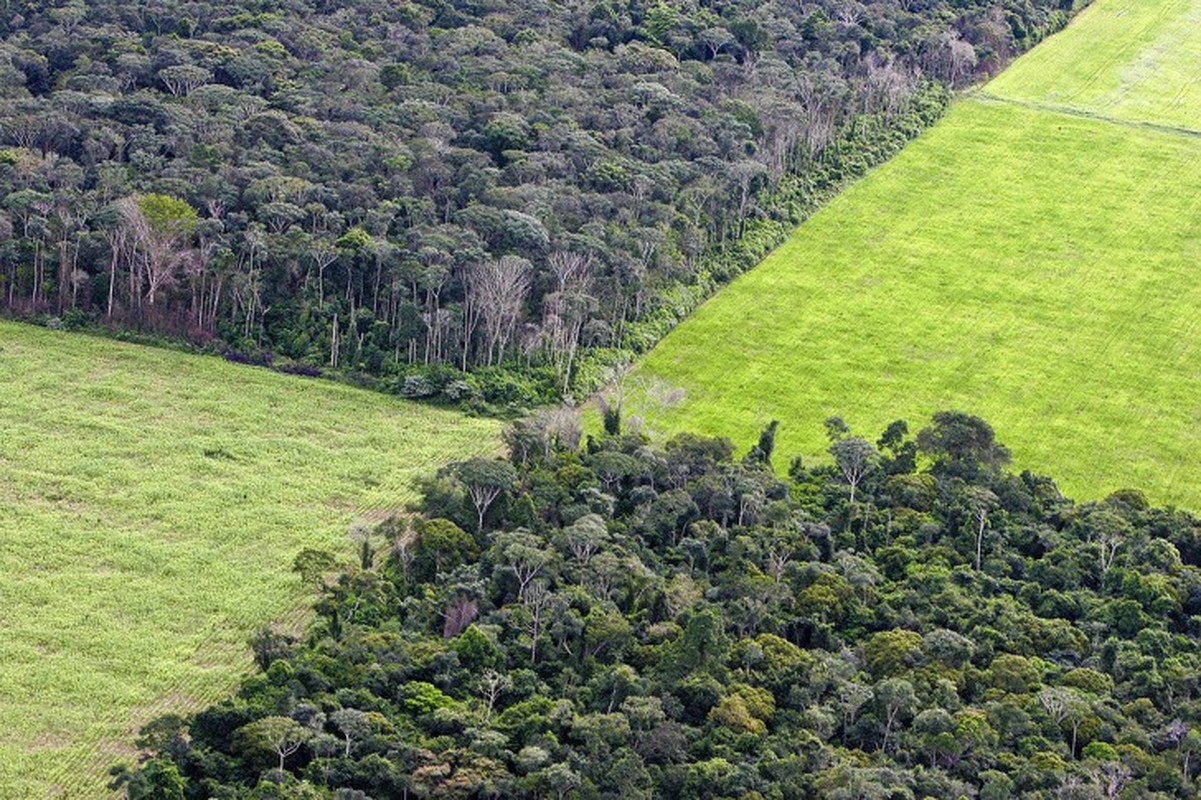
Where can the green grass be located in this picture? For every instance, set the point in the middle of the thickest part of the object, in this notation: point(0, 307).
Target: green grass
point(1134, 60)
point(150, 507)
point(1035, 268)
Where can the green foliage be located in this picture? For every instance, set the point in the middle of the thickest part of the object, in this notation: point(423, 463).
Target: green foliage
point(794, 643)
point(336, 193)
point(168, 217)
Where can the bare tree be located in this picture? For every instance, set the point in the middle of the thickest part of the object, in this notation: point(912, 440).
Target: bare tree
point(160, 227)
point(567, 309)
point(537, 602)
point(500, 287)
point(492, 685)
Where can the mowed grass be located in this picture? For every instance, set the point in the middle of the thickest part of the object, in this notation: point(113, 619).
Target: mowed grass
point(1134, 60)
point(1037, 269)
point(150, 506)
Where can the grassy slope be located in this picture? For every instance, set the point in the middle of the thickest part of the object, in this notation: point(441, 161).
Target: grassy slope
point(1134, 60)
point(132, 564)
point(1029, 266)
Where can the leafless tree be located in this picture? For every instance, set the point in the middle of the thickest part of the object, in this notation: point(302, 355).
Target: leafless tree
point(567, 309)
point(499, 288)
point(491, 686)
point(537, 602)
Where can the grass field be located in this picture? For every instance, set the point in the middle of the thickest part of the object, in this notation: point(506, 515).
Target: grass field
point(1134, 60)
point(150, 506)
point(1035, 268)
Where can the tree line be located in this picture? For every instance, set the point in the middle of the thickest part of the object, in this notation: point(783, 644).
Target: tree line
point(611, 618)
point(412, 190)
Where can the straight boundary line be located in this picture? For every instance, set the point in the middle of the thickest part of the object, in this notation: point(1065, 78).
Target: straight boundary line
point(1068, 111)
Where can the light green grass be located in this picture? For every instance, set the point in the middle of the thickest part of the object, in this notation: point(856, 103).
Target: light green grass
point(1134, 60)
point(133, 565)
point(1037, 269)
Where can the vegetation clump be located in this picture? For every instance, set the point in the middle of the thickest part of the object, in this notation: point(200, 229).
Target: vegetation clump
point(631, 620)
point(412, 190)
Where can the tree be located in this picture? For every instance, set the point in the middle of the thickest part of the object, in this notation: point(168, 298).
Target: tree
point(980, 502)
point(856, 458)
point(1110, 532)
point(313, 565)
point(441, 546)
point(561, 779)
point(499, 288)
point(895, 698)
point(524, 554)
point(962, 445)
point(486, 479)
point(278, 735)
point(762, 452)
point(583, 538)
point(1064, 705)
point(156, 779)
point(353, 724)
point(160, 226)
point(183, 79)
point(492, 684)
point(889, 652)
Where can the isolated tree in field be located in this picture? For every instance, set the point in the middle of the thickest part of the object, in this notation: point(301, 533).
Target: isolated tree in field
point(856, 458)
point(280, 736)
point(762, 452)
point(485, 479)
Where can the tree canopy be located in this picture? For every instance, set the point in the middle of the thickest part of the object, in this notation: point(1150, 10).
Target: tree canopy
point(409, 191)
point(681, 623)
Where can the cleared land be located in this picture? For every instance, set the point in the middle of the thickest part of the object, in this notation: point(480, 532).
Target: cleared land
point(1133, 60)
point(1035, 268)
point(150, 506)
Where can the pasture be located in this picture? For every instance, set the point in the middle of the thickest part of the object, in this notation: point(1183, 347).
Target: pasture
point(1130, 60)
point(1035, 268)
point(151, 504)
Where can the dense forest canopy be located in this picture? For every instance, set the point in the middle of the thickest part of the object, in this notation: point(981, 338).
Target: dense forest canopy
point(623, 620)
point(413, 189)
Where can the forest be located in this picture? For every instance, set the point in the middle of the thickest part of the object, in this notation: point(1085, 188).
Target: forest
point(468, 201)
point(604, 617)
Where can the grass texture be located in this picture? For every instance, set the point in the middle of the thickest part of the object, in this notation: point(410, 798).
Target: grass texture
point(151, 503)
point(1133, 60)
point(1035, 268)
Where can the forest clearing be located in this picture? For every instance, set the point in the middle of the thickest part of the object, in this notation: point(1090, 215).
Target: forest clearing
point(151, 504)
point(1031, 266)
